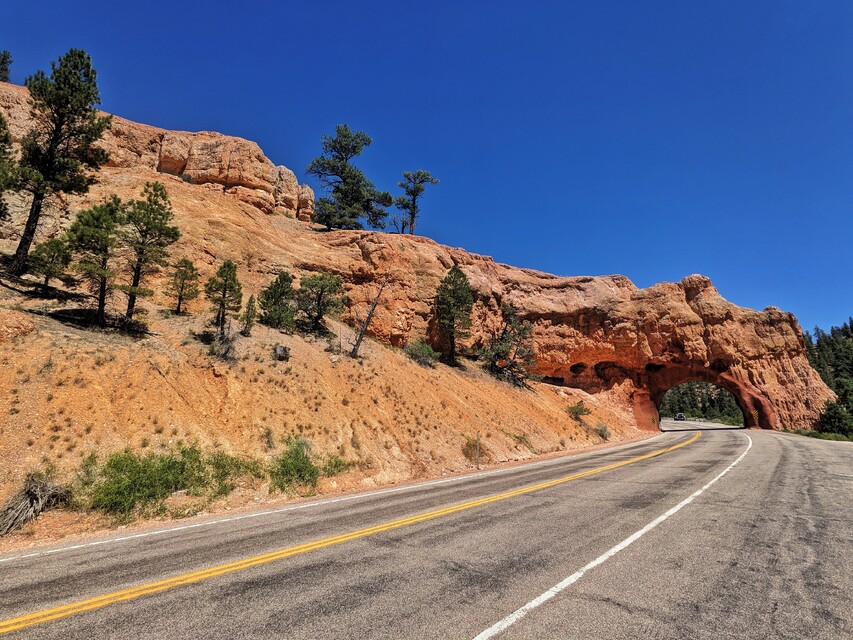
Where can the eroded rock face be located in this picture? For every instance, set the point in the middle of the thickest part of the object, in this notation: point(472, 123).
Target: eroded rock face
point(305, 208)
point(201, 158)
point(14, 324)
point(601, 333)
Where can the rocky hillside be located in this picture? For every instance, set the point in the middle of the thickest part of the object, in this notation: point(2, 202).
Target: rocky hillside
point(597, 338)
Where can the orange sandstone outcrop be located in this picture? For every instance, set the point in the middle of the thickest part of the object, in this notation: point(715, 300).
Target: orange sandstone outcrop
point(13, 325)
point(599, 334)
point(206, 157)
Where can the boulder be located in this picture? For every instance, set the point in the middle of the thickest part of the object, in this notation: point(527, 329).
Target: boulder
point(13, 325)
point(286, 192)
point(305, 207)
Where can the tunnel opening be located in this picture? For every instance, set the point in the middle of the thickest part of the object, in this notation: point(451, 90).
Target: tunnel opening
point(649, 382)
point(652, 384)
point(700, 405)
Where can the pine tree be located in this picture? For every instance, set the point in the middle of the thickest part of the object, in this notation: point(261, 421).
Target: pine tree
point(510, 355)
point(351, 195)
point(183, 283)
point(58, 151)
point(249, 316)
point(147, 235)
point(319, 295)
point(831, 354)
point(836, 419)
point(5, 65)
point(454, 301)
point(414, 185)
point(93, 238)
point(703, 400)
point(226, 294)
point(50, 259)
point(277, 303)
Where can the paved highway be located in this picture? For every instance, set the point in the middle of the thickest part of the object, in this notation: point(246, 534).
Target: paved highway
point(731, 534)
point(667, 425)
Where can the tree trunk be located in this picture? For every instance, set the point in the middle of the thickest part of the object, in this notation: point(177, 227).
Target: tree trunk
point(19, 262)
point(451, 359)
point(318, 312)
point(220, 316)
point(180, 300)
point(131, 297)
point(102, 295)
point(413, 216)
point(363, 330)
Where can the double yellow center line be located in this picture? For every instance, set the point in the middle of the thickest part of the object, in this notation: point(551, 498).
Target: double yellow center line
point(22, 622)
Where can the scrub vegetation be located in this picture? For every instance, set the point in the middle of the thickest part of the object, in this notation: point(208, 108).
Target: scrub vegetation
point(127, 484)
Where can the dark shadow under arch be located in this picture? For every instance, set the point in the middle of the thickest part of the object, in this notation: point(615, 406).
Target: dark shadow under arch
point(652, 380)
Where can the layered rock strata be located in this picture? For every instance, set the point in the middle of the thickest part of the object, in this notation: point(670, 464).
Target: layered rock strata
point(237, 165)
point(599, 334)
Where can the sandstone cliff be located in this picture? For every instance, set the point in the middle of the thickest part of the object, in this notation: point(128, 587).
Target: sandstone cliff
point(235, 165)
point(599, 334)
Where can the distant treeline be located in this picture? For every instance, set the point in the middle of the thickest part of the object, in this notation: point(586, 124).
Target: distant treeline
point(701, 400)
point(831, 354)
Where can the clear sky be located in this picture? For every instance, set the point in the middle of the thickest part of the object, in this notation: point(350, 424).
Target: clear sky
point(652, 139)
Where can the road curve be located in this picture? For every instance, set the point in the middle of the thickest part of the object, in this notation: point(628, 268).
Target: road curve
point(669, 425)
point(763, 552)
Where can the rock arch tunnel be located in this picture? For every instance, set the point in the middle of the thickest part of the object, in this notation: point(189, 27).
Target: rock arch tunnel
point(756, 408)
point(646, 386)
point(640, 343)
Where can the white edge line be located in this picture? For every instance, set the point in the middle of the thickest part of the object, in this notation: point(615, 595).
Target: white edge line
point(317, 503)
point(518, 614)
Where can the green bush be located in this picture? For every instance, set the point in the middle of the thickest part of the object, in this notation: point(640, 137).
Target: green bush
point(822, 436)
point(422, 353)
point(225, 469)
point(335, 465)
point(523, 440)
point(294, 467)
point(602, 430)
point(835, 419)
point(128, 482)
point(578, 410)
point(732, 421)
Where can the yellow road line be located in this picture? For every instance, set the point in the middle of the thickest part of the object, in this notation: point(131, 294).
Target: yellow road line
point(22, 622)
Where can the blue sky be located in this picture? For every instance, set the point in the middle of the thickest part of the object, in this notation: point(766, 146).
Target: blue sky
point(652, 139)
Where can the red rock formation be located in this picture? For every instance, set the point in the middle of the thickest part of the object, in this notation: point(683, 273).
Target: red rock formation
point(594, 333)
point(601, 333)
point(13, 325)
point(201, 158)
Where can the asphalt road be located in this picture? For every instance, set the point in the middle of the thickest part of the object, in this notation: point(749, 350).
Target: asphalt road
point(763, 551)
point(668, 425)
